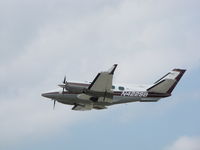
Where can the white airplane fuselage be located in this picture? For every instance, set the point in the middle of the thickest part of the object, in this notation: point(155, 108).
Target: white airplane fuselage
point(102, 93)
point(119, 96)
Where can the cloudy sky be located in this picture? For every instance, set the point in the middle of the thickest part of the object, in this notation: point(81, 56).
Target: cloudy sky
point(41, 41)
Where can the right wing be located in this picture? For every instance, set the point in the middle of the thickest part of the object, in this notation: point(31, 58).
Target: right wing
point(101, 87)
point(103, 81)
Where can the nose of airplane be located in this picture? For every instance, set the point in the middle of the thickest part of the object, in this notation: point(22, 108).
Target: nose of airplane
point(51, 94)
point(47, 95)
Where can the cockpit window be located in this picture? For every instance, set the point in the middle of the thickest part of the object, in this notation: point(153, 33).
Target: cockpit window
point(113, 87)
point(121, 88)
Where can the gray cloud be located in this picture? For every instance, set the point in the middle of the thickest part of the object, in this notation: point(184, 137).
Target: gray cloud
point(43, 41)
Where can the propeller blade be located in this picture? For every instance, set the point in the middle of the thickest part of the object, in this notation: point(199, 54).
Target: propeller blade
point(54, 104)
point(64, 81)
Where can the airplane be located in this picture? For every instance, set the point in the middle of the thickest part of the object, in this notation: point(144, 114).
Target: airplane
point(101, 93)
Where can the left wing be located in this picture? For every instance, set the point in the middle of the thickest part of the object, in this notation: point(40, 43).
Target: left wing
point(87, 107)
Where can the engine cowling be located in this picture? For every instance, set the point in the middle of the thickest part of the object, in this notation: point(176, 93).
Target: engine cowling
point(74, 89)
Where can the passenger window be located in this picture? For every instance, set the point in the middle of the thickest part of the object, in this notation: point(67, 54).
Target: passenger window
point(113, 87)
point(121, 88)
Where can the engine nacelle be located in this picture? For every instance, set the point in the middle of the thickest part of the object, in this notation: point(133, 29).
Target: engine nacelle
point(74, 88)
point(71, 87)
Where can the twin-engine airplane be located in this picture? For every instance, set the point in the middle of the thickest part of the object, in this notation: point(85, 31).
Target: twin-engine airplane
point(101, 93)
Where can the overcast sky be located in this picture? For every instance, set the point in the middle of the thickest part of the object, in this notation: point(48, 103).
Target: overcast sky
point(41, 41)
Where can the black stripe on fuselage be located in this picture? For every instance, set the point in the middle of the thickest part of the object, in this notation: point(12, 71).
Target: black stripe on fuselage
point(119, 93)
point(161, 95)
point(79, 84)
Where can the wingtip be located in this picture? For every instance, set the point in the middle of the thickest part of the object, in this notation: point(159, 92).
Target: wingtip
point(112, 70)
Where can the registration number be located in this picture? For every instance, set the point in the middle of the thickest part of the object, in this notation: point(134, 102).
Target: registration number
point(135, 93)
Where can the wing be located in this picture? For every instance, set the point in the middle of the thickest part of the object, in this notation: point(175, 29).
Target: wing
point(103, 81)
point(87, 107)
point(100, 88)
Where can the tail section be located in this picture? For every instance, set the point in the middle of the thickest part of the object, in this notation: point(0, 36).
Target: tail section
point(168, 82)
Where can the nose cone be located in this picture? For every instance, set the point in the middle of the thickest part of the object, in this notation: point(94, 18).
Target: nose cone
point(47, 95)
point(51, 94)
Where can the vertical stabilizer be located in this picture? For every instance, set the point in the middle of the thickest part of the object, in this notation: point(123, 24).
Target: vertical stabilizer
point(168, 82)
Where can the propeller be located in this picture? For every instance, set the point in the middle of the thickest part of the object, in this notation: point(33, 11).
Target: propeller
point(64, 82)
point(54, 104)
